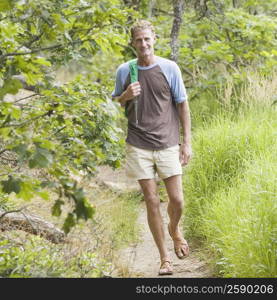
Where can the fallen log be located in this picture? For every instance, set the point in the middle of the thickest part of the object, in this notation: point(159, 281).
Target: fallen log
point(19, 220)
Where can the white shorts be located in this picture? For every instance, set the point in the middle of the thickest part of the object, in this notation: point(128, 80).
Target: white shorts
point(143, 164)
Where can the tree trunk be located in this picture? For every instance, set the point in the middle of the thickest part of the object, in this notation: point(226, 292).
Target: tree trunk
point(151, 5)
point(30, 223)
point(178, 8)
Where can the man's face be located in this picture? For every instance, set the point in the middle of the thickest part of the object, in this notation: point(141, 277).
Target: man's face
point(143, 41)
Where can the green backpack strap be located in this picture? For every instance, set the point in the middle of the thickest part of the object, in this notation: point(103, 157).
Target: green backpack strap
point(133, 67)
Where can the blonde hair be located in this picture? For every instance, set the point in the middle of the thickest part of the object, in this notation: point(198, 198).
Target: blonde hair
point(141, 25)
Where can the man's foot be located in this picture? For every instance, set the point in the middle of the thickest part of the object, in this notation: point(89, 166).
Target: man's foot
point(166, 267)
point(181, 246)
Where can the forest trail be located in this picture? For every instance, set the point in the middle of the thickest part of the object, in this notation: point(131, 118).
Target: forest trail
point(142, 259)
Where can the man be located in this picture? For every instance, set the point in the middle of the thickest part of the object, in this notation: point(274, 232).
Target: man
point(152, 143)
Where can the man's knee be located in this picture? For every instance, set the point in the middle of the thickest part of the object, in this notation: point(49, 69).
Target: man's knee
point(152, 201)
point(177, 201)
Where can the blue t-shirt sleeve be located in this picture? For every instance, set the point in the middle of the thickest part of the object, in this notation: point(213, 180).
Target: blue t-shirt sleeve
point(178, 89)
point(121, 76)
point(173, 75)
point(118, 89)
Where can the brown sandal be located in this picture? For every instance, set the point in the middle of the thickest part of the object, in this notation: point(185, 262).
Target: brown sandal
point(179, 244)
point(166, 268)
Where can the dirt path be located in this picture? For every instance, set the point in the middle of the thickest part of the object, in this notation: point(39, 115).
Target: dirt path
point(142, 259)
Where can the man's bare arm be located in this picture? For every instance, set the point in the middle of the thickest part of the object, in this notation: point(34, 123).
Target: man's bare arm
point(184, 115)
point(185, 149)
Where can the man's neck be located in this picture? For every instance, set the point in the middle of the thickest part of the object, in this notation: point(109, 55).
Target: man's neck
point(146, 60)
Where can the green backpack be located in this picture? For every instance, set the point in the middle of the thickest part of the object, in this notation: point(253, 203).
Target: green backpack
point(133, 67)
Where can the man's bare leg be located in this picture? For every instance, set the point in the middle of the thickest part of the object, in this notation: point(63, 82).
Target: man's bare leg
point(155, 221)
point(174, 189)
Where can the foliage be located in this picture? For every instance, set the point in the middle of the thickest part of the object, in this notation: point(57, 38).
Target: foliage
point(90, 251)
point(123, 219)
point(230, 189)
point(35, 259)
point(242, 223)
point(64, 129)
point(77, 133)
point(219, 41)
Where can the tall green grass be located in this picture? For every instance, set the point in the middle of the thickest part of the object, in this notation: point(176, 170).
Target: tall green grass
point(230, 188)
point(242, 226)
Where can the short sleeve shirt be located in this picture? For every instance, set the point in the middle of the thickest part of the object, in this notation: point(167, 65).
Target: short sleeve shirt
point(162, 87)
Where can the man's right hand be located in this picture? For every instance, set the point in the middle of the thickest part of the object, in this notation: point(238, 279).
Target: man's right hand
point(132, 91)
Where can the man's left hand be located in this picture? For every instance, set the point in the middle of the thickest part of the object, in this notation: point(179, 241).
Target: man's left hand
point(185, 154)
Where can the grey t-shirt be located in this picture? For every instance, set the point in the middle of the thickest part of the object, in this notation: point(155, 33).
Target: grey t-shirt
point(158, 121)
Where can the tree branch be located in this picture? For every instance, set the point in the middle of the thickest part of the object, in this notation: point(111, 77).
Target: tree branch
point(25, 122)
point(17, 219)
point(3, 151)
point(128, 47)
point(188, 72)
point(234, 3)
point(203, 8)
point(35, 39)
point(158, 10)
point(10, 211)
point(18, 100)
point(41, 49)
point(31, 51)
point(60, 129)
point(178, 7)
point(8, 159)
point(6, 17)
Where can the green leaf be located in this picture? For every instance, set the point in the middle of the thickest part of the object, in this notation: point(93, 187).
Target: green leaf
point(79, 194)
point(56, 209)
point(84, 210)
point(43, 143)
point(42, 158)
point(11, 185)
point(42, 61)
point(49, 184)
point(26, 191)
point(43, 194)
point(69, 222)
point(11, 86)
point(15, 112)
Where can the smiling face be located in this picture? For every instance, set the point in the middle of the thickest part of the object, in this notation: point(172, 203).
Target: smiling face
point(143, 41)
